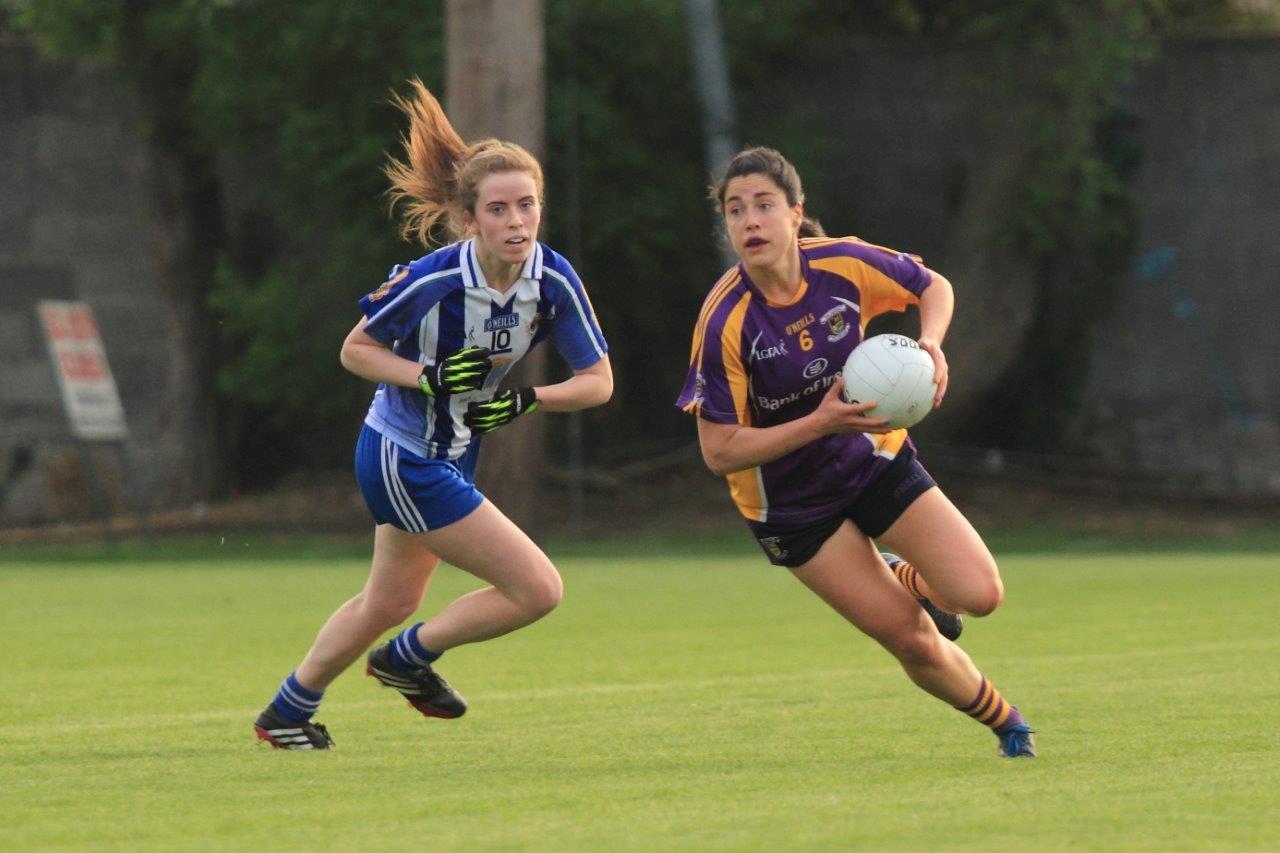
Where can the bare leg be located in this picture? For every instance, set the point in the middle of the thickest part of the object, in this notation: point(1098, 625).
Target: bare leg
point(848, 574)
point(959, 573)
point(485, 543)
point(402, 565)
point(525, 585)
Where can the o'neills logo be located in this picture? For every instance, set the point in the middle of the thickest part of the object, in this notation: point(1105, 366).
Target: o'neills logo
point(502, 321)
point(799, 324)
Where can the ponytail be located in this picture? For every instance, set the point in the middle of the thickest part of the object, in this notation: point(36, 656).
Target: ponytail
point(427, 180)
point(440, 175)
point(811, 227)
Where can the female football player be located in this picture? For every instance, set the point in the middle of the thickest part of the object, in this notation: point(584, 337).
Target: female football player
point(816, 478)
point(438, 336)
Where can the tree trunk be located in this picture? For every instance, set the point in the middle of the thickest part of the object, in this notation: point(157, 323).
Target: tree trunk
point(494, 86)
point(188, 209)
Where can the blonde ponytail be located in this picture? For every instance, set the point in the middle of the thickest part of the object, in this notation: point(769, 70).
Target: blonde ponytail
point(440, 176)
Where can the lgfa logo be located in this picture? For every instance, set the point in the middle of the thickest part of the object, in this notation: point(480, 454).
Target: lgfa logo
point(758, 354)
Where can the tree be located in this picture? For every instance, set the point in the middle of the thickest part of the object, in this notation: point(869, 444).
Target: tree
point(494, 87)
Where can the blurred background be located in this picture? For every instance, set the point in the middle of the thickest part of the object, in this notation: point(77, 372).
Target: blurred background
point(1099, 179)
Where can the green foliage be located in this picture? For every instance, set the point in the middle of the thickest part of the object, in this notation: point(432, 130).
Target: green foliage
point(642, 224)
point(290, 101)
point(277, 110)
point(294, 96)
point(1071, 212)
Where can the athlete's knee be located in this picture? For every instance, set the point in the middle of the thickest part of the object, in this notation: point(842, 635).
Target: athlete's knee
point(913, 646)
point(542, 592)
point(386, 611)
point(975, 587)
point(983, 598)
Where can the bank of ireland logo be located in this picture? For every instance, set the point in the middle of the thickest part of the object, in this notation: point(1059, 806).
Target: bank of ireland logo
point(837, 325)
point(815, 368)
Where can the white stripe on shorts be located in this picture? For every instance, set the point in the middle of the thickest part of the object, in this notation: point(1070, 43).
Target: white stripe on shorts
point(404, 492)
point(399, 495)
point(384, 454)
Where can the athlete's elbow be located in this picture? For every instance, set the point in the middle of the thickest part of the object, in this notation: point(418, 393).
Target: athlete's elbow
point(604, 391)
point(718, 464)
point(347, 357)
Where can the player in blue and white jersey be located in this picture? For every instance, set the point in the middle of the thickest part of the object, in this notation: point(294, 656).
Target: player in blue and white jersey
point(438, 337)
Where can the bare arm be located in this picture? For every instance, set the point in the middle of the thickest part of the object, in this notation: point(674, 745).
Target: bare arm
point(370, 359)
point(936, 307)
point(727, 448)
point(588, 387)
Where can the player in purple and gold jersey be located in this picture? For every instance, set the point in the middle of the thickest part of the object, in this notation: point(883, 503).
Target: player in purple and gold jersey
point(816, 478)
point(438, 337)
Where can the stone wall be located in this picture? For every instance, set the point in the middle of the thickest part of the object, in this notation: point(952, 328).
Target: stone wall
point(77, 221)
point(1185, 382)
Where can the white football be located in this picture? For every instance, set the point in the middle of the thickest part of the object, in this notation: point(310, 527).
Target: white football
point(893, 371)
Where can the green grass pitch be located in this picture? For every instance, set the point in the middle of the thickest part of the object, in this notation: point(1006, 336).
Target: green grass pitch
point(683, 696)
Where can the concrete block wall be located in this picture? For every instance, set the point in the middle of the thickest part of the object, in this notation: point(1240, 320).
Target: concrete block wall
point(76, 221)
point(1185, 379)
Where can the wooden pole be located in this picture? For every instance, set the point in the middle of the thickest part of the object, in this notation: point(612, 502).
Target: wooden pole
point(494, 86)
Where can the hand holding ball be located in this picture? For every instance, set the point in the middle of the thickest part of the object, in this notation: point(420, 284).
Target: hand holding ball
point(896, 373)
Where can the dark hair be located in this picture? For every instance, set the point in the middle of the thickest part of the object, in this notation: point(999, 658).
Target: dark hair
point(775, 167)
point(810, 227)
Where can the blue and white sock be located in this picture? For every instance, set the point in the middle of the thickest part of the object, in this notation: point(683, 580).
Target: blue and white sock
point(407, 653)
point(295, 702)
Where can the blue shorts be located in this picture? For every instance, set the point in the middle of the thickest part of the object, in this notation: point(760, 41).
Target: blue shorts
point(413, 493)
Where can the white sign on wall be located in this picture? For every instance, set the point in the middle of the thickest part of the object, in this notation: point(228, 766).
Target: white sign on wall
point(88, 390)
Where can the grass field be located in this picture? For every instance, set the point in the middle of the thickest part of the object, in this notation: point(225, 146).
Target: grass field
point(683, 696)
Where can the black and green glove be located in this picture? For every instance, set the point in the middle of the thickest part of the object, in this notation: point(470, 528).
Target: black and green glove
point(504, 408)
point(464, 370)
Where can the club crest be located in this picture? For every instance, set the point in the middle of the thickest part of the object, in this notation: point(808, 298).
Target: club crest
point(385, 287)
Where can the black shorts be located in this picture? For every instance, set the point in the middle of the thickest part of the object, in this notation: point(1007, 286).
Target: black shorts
point(873, 512)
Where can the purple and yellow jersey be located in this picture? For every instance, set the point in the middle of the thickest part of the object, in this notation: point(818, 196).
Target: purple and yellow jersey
point(759, 363)
point(441, 303)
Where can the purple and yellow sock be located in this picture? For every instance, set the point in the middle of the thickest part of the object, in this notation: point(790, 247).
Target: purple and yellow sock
point(906, 575)
point(992, 710)
point(407, 654)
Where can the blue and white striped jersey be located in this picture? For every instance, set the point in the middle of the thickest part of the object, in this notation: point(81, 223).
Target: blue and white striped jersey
point(441, 303)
